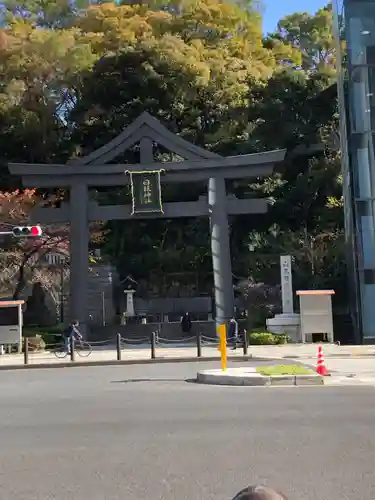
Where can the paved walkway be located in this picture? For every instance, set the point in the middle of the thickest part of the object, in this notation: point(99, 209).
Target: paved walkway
point(304, 353)
point(108, 354)
point(309, 351)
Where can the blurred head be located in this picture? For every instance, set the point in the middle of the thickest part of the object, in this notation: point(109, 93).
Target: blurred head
point(259, 492)
point(75, 322)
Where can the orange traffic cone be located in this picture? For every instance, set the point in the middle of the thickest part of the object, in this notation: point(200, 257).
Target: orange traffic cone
point(321, 367)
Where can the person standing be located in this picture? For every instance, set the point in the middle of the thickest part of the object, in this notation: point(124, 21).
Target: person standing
point(233, 333)
point(186, 323)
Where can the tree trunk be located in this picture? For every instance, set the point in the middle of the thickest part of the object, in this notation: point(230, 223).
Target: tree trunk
point(20, 283)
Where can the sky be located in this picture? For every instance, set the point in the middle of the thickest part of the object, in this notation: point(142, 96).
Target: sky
point(276, 9)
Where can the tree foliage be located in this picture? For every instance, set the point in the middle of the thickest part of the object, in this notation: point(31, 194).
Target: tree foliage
point(312, 36)
point(21, 254)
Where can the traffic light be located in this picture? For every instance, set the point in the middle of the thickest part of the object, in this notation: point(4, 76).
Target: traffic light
point(27, 231)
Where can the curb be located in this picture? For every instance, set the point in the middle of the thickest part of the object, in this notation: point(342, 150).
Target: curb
point(296, 380)
point(332, 356)
point(115, 362)
point(256, 379)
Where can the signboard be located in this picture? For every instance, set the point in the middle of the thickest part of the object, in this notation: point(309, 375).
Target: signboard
point(146, 191)
point(316, 313)
point(10, 334)
point(286, 283)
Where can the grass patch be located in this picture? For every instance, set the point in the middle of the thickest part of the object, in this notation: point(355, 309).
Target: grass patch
point(284, 370)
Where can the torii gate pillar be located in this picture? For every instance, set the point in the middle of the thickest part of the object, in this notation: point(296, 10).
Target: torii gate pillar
point(220, 248)
point(79, 254)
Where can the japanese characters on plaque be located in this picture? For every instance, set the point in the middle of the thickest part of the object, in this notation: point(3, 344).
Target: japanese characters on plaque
point(146, 191)
point(286, 283)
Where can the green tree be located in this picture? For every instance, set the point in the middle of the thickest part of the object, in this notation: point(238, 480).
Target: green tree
point(299, 113)
point(41, 69)
point(311, 172)
point(312, 36)
point(42, 13)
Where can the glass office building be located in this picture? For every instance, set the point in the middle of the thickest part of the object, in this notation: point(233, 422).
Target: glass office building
point(355, 25)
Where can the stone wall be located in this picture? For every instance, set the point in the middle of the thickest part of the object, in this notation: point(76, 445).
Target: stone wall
point(173, 306)
point(166, 330)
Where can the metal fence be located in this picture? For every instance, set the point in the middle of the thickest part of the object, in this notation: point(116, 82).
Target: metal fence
point(76, 349)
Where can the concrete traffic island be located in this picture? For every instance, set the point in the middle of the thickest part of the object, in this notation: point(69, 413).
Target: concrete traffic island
point(249, 377)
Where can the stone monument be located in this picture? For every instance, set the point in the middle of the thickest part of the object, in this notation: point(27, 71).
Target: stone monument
point(130, 303)
point(130, 287)
point(287, 322)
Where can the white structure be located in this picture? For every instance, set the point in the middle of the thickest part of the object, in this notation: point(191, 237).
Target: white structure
point(130, 303)
point(288, 322)
point(316, 313)
point(12, 334)
point(55, 259)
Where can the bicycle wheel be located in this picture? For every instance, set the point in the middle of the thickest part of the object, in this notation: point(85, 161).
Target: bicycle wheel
point(60, 351)
point(83, 349)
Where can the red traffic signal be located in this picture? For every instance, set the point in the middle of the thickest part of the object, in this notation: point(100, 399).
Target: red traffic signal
point(27, 231)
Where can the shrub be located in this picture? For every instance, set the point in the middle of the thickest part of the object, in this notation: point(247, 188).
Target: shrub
point(267, 338)
point(51, 338)
point(261, 338)
point(50, 335)
point(56, 329)
point(282, 338)
point(36, 343)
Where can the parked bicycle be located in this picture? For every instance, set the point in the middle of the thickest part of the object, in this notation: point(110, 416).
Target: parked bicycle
point(82, 348)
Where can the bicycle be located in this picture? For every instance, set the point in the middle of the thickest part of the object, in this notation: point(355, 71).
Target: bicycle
point(82, 348)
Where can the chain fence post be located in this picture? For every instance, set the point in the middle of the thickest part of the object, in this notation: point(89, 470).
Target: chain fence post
point(245, 342)
point(26, 350)
point(118, 344)
point(199, 344)
point(153, 345)
point(72, 348)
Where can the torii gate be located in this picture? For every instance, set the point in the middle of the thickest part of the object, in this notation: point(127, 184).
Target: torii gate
point(198, 165)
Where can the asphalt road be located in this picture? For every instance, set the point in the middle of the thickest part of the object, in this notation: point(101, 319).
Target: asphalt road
point(143, 432)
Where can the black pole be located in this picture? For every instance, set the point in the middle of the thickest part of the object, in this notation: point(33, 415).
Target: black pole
point(199, 345)
point(158, 333)
point(61, 293)
point(118, 346)
point(245, 342)
point(153, 345)
point(72, 348)
point(26, 351)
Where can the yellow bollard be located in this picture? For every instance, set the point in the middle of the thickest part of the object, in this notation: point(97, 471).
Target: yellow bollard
point(223, 346)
